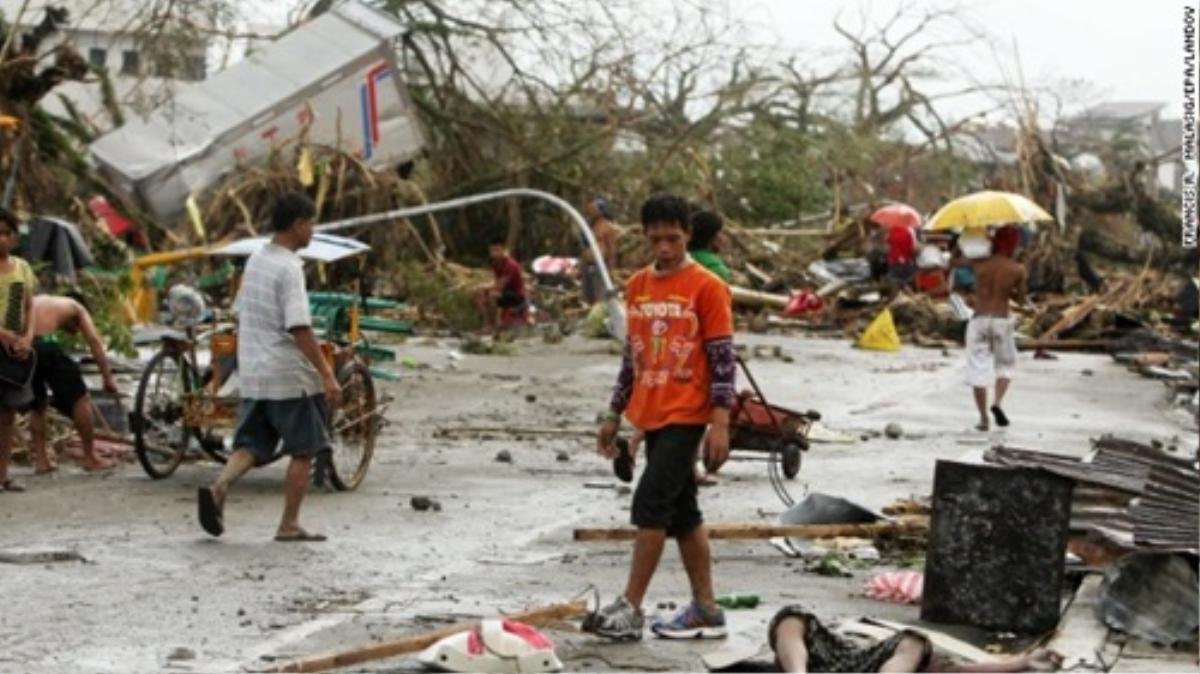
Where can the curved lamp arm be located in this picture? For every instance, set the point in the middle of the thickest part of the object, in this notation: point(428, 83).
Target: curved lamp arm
point(616, 310)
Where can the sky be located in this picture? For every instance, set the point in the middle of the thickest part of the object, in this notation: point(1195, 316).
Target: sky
point(1129, 50)
point(1124, 50)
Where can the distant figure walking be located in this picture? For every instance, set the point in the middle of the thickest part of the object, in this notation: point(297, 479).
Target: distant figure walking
point(991, 346)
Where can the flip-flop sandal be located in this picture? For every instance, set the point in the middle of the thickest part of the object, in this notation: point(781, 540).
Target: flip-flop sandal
point(211, 517)
point(9, 485)
point(1000, 416)
point(623, 464)
point(300, 536)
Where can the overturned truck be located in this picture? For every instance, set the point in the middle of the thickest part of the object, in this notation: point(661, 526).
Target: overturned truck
point(332, 80)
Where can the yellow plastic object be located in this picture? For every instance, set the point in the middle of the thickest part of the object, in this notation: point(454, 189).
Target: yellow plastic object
point(304, 167)
point(143, 298)
point(987, 209)
point(881, 334)
point(193, 211)
point(355, 332)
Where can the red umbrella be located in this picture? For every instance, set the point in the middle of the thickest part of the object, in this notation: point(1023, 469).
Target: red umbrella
point(897, 215)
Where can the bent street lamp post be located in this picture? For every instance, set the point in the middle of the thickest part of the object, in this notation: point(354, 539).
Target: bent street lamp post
point(616, 311)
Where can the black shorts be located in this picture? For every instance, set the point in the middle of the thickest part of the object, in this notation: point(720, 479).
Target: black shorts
point(666, 494)
point(301, 424)
point(56, 373)
point(510, 300)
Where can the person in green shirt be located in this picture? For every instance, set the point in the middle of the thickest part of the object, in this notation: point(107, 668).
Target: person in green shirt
point(705, 245)
point(17, 283)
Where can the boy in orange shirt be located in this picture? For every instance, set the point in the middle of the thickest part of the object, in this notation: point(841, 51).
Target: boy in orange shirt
point(676, 378)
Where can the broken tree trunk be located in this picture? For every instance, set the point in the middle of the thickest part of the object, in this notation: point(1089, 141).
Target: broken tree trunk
point(731, 531)
point(415, 642)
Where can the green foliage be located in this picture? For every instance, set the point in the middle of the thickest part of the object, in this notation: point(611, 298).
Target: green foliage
point(769, 173)
point(104, 293)
point(435, 292)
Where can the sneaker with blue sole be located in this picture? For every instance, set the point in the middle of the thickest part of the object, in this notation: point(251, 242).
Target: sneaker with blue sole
point(692, 622)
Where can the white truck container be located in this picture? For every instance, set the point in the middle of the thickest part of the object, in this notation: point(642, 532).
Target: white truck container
point(336, 73)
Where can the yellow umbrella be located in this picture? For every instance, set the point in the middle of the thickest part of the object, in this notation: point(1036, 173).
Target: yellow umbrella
point(987, 209)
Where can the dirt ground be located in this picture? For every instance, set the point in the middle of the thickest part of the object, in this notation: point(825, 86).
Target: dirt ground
point(156, 594)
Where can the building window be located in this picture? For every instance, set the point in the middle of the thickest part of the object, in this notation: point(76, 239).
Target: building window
point(130, 63)
point(98, 57)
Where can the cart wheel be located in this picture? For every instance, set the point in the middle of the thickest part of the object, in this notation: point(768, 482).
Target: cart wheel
point(353, 427)
point(791, 460)
point(160, 437)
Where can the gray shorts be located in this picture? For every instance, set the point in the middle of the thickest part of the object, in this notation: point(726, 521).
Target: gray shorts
point(300, 424)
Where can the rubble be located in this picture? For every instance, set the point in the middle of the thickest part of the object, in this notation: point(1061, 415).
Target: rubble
point(1156, 494)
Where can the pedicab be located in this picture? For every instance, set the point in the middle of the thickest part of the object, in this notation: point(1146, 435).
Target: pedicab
point(186, 405)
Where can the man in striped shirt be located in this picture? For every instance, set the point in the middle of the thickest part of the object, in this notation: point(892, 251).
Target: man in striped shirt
point(287, 386)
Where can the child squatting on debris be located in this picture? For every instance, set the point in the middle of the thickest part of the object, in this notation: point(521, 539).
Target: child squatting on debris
point(676, 377)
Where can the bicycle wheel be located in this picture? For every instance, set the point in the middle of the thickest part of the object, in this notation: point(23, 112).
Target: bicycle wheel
point(160, 436)
point(353, 427)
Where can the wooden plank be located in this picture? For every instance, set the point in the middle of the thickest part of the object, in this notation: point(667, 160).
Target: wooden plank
point(754, 298)
point(416, 642)
point(763, 231)
point(743, 531)
point(1080, 635)
point(1072, 317)
point(940, 641)
point(511, 430)
point(1075, 315)
point(1066, 345)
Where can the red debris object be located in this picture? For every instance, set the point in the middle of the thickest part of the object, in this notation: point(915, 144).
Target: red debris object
point(803, 302)
point(897, 215)
point(118, 225)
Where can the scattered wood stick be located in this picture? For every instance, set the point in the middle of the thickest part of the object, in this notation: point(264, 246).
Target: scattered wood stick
point(511, 430)
point(751, 530)
point(754, 298)
point(1066, 345)
point(1075, 315)
point(414, 642)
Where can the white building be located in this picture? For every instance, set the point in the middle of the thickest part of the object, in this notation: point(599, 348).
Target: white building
point(112, 34)
point(1141, 122)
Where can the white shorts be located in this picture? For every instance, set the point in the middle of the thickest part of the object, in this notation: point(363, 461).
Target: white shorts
point(991, 350)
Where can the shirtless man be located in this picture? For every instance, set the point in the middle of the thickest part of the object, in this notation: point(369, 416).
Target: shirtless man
point(59, 373)
point(606, 234)
point(991, 348)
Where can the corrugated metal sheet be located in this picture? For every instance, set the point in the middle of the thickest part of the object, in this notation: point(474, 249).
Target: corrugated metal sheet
point(322, 248)
point(1132, 494)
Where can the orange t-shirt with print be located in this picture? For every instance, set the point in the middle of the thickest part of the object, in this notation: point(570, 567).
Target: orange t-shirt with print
point(669, 320)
